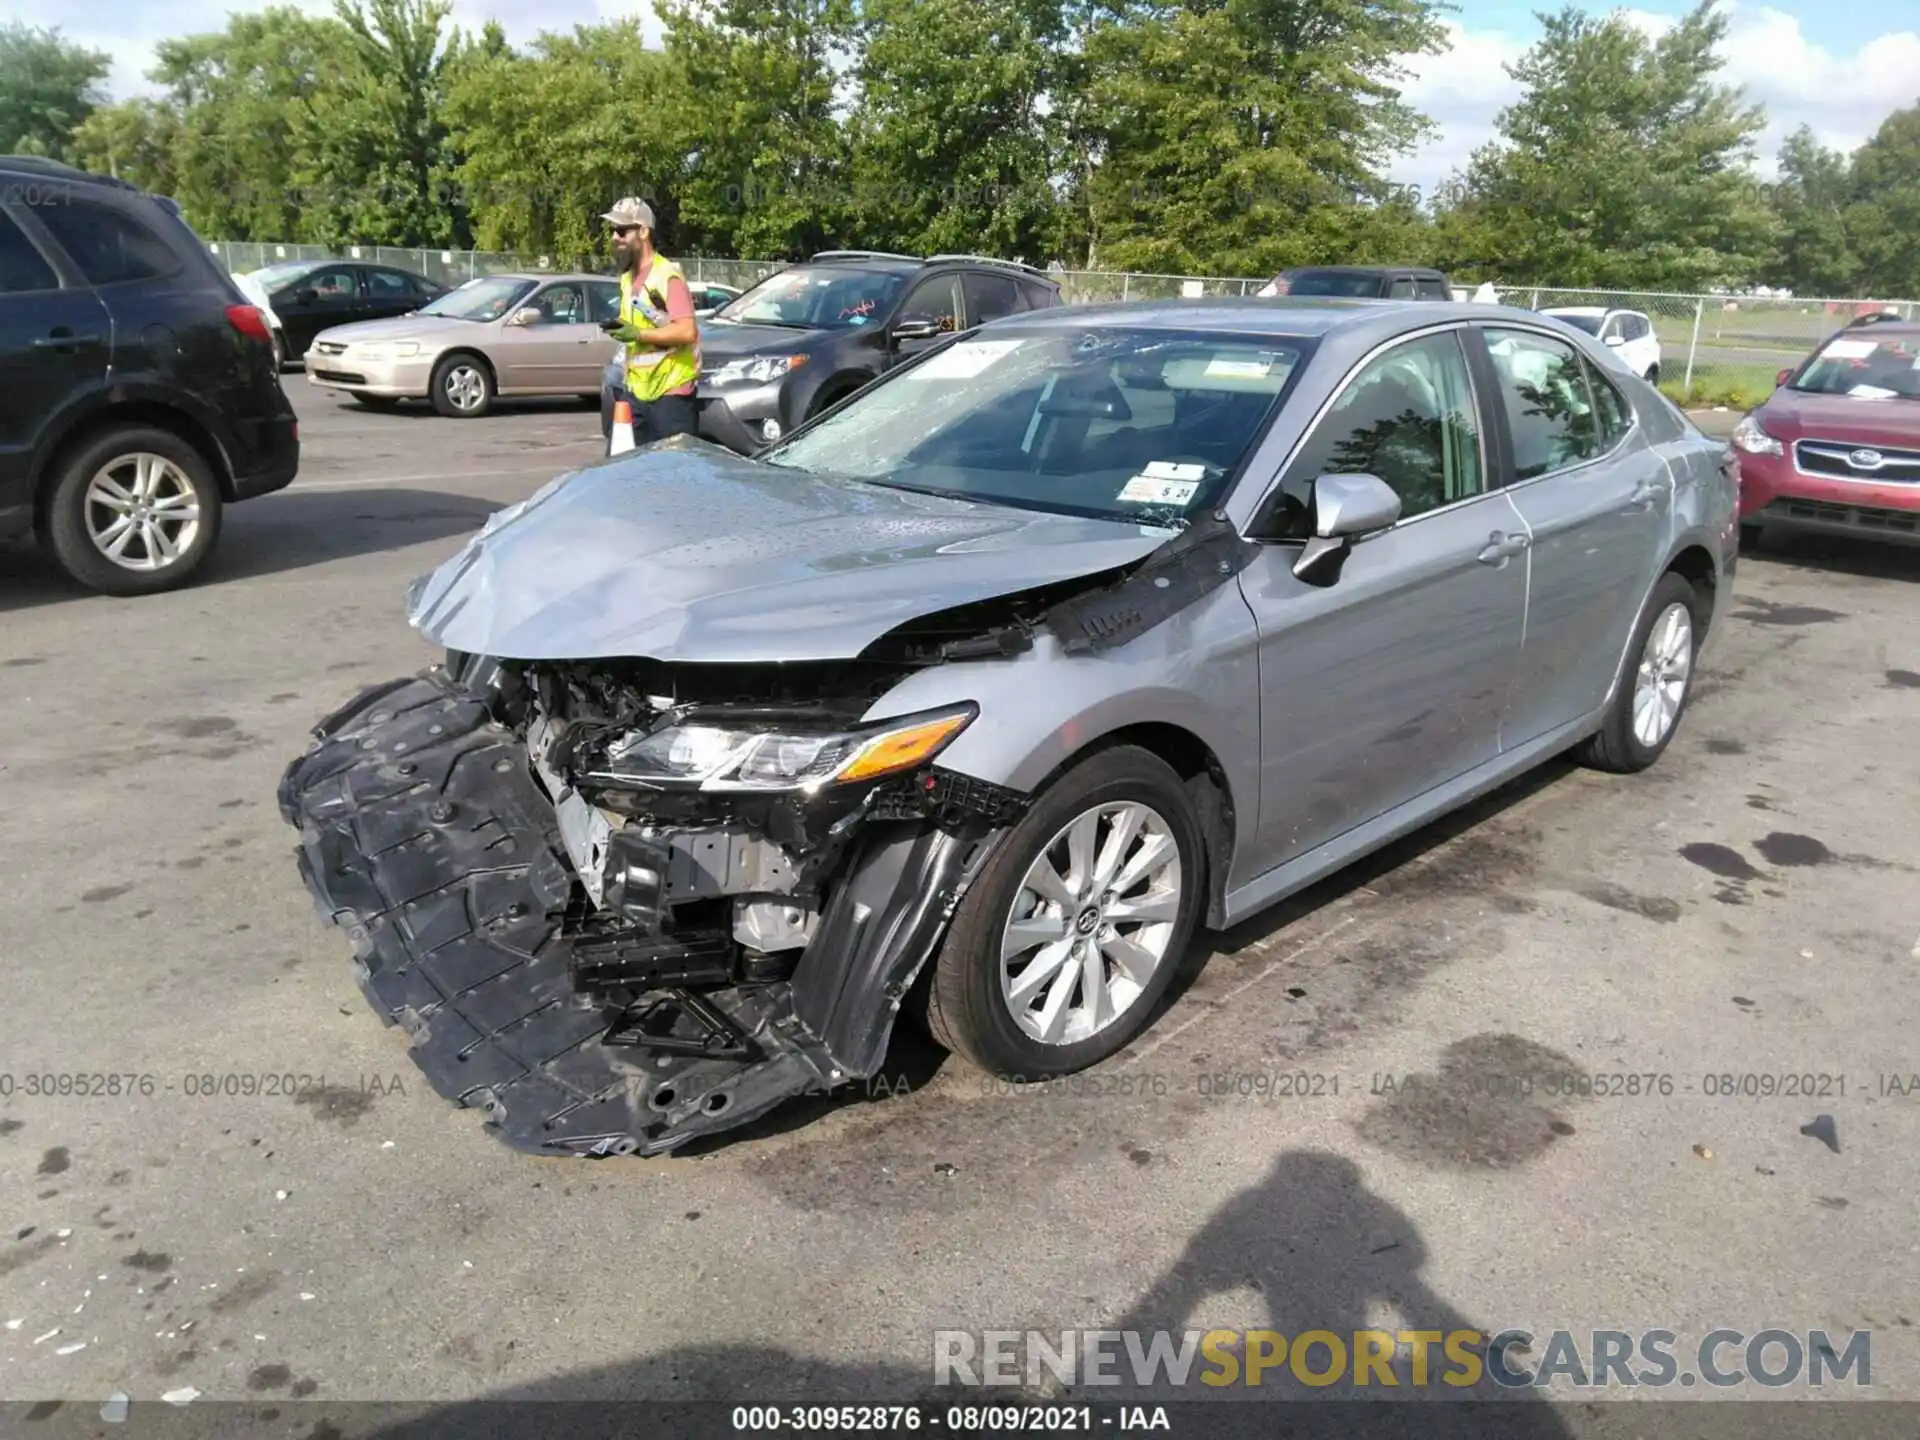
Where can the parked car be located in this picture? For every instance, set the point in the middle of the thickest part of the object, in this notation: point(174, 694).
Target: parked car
point(709, 297)
point(499, 336)
point(978, 693)
point(810, 335)
point(305, 297)
point(1836, 447)
point(1628, 333)
point(1361, 282)
point(138, 394)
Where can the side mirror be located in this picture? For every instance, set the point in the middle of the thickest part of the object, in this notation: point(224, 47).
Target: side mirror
point(1346, 508)
point(1783, 376)
point(917, 330)
point(307, 297)
point(523, 317)
point(1614, 340)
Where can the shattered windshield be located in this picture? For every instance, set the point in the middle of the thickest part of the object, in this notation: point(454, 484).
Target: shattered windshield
point(818, 297)
point(1886, 368)
point(1126, 424)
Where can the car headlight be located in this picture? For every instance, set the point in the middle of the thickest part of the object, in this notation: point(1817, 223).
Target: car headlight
point(388, 349)
point(756, 370)
point(721, 757)
point(1748, 436)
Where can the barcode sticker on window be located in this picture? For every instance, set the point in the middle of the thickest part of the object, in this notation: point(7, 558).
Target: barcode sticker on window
point(1848, 350)
point(1154, 490)
point(965, 360)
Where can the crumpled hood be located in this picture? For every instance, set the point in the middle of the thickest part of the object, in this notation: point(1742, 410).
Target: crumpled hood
point(687, 552)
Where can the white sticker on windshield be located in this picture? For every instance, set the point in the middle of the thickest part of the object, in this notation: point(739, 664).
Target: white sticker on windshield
point(1848, 350)
point(1220, 368)
point(1871, 392)
point(1174, 470)
point(1156, 490)
point(965, 360)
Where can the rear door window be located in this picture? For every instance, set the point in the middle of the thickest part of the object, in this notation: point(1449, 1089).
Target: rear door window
point(1549, 409)
point(389, 285)
point(23, 269)
point(1401, 289)
point(1432, 290)
point(108, 244)
point(1615, 418)
point(990, 297)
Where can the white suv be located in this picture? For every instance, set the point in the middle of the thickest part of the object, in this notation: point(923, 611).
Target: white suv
point(1627, 331)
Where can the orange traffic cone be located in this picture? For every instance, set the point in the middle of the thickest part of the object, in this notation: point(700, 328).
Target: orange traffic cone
point(621, 440)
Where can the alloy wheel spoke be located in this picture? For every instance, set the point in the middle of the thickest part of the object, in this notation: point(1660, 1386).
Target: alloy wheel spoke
point(110, 492)
point(1053, 1010)
point(1148, 909)
point(1024, 935)
point(1154, 854)
point(1126, 826)
point(1135, 961)
point(180, 501)
point(1041, 968)
point(1081, 839)
point(1045, 882)
point(1093, 985)
point(118, 547)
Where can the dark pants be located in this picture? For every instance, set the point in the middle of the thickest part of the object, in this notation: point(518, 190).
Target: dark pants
point(657, 419)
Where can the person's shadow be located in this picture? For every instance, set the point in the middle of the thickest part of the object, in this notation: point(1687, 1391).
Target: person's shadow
point(1322, 1250)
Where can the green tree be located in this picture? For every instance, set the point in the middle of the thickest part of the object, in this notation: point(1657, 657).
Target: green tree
point(134, 140)
point(376, 161)
point(764, 154)
point(238, 102)
point(952, 147)
point(1235, 137)
point(1884, 219)
point(553, 137)
point(1811, 201)
point(47, 87)
point(1623, 165)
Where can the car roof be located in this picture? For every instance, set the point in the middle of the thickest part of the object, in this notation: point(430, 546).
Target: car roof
point(1576, 310)
point(36, 165)
point(1303, 317)
point(1422, 270)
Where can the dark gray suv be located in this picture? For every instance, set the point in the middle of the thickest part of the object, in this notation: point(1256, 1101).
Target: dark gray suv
point(810, 335)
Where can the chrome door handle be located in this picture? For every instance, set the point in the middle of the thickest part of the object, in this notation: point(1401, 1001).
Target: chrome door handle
point(1644, 495)
point(1502, 547)
point(64, 341)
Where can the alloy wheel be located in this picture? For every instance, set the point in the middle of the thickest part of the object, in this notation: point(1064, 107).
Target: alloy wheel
point(1666, 663)
point(142, 511)
point(466, 387)
point(1092, 922)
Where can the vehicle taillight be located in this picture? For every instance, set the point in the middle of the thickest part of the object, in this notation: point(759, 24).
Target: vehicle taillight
point(248, 320)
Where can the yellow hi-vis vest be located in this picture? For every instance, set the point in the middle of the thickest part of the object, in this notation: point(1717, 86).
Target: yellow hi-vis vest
point(651, 371)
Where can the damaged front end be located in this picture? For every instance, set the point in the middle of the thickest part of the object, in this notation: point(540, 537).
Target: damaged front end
point(621, 904)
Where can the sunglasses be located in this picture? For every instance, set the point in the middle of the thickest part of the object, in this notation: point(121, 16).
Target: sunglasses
point(626, 229)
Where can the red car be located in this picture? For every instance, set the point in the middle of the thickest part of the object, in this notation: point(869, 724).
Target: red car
point(1836, 448)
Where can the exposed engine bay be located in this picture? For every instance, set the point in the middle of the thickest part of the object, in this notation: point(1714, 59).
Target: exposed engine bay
point(618, 906)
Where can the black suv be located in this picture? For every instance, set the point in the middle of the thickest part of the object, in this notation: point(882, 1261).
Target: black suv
point(138, 391)
point(1362, 282)
point(810, 335)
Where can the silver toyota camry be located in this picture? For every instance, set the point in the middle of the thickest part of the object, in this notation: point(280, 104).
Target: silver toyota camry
point(979, 693)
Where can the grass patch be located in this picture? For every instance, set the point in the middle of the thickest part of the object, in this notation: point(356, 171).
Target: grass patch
point(1738, 387)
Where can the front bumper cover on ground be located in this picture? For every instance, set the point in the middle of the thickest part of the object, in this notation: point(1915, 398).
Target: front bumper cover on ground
point(425, 837)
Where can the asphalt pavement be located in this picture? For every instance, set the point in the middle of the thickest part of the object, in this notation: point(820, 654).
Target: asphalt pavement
point(270, 1206)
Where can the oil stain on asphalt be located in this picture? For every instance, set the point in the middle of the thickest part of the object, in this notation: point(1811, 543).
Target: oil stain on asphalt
point(1482, 1110)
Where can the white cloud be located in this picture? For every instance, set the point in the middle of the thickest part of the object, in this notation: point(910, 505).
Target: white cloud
point(1843, 97)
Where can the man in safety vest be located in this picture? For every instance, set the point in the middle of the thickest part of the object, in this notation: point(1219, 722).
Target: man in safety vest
point(656, 325)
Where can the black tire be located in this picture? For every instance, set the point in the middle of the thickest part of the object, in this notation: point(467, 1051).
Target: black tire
point(66, 531)
point(374, 402)
point(444, 371)
point(826, 400)
point(966, 1008)
point(591, 402)
point(1616, 748)
point(1753, 537)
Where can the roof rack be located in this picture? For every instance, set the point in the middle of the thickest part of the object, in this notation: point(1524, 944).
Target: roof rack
point(991, 260)
point(865, 255)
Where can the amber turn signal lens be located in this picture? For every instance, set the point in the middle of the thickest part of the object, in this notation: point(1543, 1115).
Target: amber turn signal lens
point(901, 749)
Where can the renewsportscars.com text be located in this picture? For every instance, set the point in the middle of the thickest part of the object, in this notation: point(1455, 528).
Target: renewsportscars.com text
point(1512, 1359)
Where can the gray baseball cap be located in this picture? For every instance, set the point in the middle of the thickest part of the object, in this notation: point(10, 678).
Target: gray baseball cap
point(630, 211)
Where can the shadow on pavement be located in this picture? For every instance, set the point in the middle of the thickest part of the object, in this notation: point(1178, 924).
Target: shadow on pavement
point(1836, 554)
point(290, 530)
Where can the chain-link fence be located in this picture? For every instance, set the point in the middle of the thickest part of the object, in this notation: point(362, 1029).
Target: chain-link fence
point(1709, 349)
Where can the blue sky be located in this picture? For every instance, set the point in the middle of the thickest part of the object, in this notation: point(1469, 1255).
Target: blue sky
point(1838, 68)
